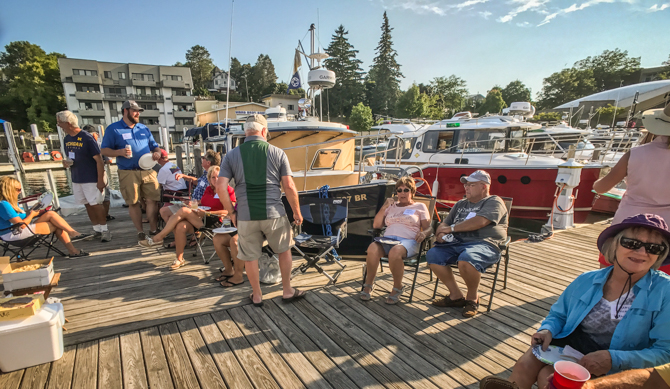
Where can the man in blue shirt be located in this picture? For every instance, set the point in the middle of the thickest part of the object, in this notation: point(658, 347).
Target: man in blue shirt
point(82, 156)
point(134, 182)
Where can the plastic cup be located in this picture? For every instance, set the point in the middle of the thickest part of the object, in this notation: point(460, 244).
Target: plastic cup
point(569, 375)
point(194, 204)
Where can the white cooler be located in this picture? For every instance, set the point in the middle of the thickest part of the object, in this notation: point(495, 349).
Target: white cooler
point(32, 341)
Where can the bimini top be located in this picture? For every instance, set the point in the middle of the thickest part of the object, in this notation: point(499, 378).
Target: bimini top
point(308, 125)
point(651, 94)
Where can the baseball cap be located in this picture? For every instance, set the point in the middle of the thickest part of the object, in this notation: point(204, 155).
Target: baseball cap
point(132, 105)
point(164, 153)
point(256, 122)
point(476, 176)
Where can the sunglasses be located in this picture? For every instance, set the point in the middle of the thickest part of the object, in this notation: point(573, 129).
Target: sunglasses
point(18, 189)
point(634, 244)
point(402, 190)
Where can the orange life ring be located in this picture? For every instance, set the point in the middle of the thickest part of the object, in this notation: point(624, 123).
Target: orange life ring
point(56, 155)
point(28, 156)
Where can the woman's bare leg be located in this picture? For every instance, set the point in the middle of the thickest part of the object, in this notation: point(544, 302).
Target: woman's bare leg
point(184, 214)
point(46, 228)
point(526, 370)
point(57, 221)
point(183, 228)
point(374, 255)
point(238, 265)
point(221, 243)
point(397, 266)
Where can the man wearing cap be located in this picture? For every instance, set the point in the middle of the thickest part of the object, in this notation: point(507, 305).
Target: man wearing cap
point(469, 237)
point(260, 171)
point(134, 182)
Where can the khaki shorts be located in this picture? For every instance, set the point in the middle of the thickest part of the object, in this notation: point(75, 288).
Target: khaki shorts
point(253, 233)
point(136, 184)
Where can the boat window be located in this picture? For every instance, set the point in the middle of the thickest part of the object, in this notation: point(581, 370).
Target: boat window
point(408, 147)
point(276, 115)
point(438, 141)
point(516, 141)
point(480, 141)
point(391, 149)
point(325, 159)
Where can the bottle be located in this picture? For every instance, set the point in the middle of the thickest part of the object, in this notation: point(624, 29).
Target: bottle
point(128, 147)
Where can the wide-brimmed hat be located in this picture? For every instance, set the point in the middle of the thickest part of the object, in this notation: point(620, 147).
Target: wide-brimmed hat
point(477, 176)
point(656, 121)
point(646, 220)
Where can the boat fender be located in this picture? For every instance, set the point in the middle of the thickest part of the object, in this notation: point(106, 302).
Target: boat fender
point(28, 157)
point(436, 187)
point(56, 155)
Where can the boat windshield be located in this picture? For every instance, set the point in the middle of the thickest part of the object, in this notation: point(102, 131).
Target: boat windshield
point(276, 115)
point(480, 141)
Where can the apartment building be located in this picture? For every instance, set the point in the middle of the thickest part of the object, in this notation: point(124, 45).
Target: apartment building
point(94, 91)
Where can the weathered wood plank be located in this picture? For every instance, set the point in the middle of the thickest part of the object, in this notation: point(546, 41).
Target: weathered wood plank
point(158, 373)
point(109, 363)
point(202, 361)
point(11, 380)
point(35, 377)
point(86, 365)
point(183, 375)
point(134, 373)
point(62, 370)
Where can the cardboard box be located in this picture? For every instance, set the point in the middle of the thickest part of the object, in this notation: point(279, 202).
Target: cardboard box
point(26, 279)
point(19, 307)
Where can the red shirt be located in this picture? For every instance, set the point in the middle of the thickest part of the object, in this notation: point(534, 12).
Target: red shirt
point(214, 203)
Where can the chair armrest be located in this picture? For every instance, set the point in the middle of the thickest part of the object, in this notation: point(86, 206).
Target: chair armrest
point(505, 244)
point(376, 232)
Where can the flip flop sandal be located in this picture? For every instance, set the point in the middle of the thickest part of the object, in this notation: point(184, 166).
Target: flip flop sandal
point(366, 296)
point(82, 253)
point(395, 298)
point(222, 278)
point(176, 264)
point(80, 237)
point(110, 218)
point(230, 284)
point(251, 297)
point(297, 295)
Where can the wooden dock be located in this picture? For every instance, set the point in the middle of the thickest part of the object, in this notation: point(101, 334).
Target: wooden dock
point(136, 324)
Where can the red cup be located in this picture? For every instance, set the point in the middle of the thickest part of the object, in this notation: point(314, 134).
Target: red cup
point(569, 375)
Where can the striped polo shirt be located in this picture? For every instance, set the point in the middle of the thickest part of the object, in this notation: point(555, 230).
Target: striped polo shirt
point(257, 168)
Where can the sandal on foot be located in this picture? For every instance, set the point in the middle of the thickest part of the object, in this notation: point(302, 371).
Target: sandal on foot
point(251, 297)
point(297, 294)
point(176, 264)
point(80, 237)
point(148, 242)
point(493, 382)
point(366, 296)
point(222, 278)
point(471, 308)
point(230, 284)
point(110, 218)
point(393, 299)
point(446, 301)
point(81, 253)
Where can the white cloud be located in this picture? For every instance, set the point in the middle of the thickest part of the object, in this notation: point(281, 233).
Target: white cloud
point(523, 6)
point(467, 3)
point(524, 24)
point(431, 7)
point(572, 8)
point(485, 14)
point(656, 7)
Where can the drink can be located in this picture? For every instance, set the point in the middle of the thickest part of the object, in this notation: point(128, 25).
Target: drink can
point(128, 147)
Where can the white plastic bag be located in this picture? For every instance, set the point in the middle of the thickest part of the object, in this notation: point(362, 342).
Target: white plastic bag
point(269, 269)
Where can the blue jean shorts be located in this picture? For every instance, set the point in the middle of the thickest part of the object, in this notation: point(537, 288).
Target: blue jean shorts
point(411, 245)
point(480, 255)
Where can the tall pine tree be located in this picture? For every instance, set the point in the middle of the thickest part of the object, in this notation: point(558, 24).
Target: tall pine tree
point(385, 73)
point(348, 89)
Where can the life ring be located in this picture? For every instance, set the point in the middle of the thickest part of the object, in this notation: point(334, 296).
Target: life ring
point(56, 155)
point(28, 157)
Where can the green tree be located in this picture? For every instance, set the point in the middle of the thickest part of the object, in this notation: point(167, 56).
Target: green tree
point(611, 69)
point(348, 89)
point(665, 74)
point(262, 78)
point(240, 74)
point(200, 62)
point(566, 85)
point(448, 95)
point(494, 102)
point(30, 86)
point(282, 87)
point(607, 114)
point(385, 73)
point(546, 117)
point(411, 104)
point(515, 91)
point(361, 117)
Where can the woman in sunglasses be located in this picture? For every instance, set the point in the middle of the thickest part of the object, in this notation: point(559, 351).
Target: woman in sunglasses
point(41, 223)
point(407, 224)
point(618, 317)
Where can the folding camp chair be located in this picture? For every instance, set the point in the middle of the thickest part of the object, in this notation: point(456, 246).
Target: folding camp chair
point(504, 255)
point(204, 233)
point(18, 248)
point(415, 260)
point(323, 228)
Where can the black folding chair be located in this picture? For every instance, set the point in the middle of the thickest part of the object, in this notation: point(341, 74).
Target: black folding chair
point(415, 260)
point(19, 248)
point(323, 228)
point(504, 255)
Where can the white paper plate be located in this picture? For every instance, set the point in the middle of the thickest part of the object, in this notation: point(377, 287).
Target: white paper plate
point(204, 208)
point(551, 356)
point(46, 200)
point(146, 161)
point(224, 230)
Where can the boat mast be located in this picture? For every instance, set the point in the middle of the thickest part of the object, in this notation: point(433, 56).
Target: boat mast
point(230, 55)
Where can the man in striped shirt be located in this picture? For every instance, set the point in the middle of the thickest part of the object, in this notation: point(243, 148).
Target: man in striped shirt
point(260, 170)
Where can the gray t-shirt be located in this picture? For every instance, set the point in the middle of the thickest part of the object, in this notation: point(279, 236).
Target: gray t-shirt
point(599, 324)
point(257, 168)
point(491, 208)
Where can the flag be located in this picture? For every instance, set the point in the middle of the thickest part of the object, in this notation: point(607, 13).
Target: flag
point(294, 83)
point(296, 61)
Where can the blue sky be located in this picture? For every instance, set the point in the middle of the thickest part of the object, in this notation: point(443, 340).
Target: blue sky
point(485, 42)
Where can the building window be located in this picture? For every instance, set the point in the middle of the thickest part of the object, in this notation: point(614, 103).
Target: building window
point(82, 72)
point(108, 74)
point(148, 121)
point(143, 77)
point(115, 91)
point(183, 122)
point(86, 105)
point(170, 77)
point(149, 107)
point(181, 92)
point(122, 75)
point(93, 121)
point(140, 90)
point(87, 88)
point(155, 92)
point(290, 107)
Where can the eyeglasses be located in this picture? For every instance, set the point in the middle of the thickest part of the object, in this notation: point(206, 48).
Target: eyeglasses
point(18, 189)
point(470, 184)
point(399, 190)
point(634, 244)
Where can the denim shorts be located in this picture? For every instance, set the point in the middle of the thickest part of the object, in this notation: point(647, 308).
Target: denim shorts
point(481, 255)
point(411, 245)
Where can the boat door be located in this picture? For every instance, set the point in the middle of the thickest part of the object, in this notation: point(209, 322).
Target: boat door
point(400, 147)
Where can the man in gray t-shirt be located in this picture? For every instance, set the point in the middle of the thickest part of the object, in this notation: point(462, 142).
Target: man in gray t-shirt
point(469, 237)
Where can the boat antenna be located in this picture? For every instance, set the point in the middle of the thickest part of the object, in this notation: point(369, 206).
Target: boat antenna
point(230, 55)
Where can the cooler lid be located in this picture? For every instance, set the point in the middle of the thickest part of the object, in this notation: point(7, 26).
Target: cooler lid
point(45, 317)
